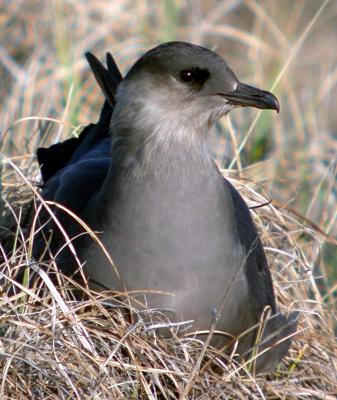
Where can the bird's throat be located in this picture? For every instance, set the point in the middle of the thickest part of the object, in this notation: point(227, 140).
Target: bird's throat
point(169, 151)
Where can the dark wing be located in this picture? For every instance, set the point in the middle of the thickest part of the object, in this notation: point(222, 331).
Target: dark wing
point(59, 155)
point(74, 171)
point(257, 269)
point(260, 284)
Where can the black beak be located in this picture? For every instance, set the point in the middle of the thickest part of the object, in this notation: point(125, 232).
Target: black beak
point(249, 96)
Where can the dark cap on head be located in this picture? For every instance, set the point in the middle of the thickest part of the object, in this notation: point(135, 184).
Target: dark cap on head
point(204, 71)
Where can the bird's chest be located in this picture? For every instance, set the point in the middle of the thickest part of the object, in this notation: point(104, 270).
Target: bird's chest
point(173, 225)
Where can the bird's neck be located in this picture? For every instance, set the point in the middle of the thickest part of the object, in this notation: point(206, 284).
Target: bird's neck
point(145, 145)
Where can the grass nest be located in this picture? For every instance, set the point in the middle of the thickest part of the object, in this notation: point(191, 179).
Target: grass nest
point(58, 347)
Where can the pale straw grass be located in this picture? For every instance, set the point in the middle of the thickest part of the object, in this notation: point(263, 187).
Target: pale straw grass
point(57, 346)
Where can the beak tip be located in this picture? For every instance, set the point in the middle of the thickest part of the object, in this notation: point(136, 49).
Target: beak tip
point(277, 106)
point(249, 96)
point(270, 101)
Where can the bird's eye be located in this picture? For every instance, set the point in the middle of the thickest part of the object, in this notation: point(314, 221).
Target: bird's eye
point(197, 76)
point(187, 75)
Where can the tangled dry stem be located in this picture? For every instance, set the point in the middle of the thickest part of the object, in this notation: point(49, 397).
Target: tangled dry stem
point(59, 347)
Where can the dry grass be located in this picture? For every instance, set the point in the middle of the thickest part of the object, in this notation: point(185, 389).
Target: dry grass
point(58, 347)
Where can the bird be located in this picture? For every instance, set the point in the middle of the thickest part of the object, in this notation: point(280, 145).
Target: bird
point(180, 235)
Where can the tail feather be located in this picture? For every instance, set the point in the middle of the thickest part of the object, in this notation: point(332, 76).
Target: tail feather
point(276, 340)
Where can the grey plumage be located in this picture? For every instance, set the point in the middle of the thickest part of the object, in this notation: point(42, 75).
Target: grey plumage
point(171, 222)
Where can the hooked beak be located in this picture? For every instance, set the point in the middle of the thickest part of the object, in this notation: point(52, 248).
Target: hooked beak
point(249, 96)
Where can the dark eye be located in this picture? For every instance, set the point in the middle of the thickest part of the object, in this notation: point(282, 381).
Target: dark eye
point(187, 75)
point(197, 76)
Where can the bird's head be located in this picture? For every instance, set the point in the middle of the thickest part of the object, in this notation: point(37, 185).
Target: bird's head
point(174, 90)
point(188, 84)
